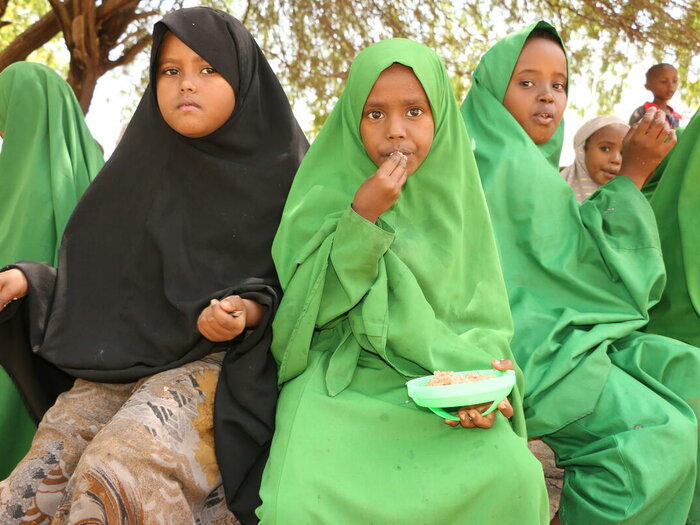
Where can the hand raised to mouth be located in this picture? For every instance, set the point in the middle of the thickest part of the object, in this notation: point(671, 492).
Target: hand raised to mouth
point(382, 189)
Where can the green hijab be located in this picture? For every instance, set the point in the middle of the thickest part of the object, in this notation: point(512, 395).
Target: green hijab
point(675, 202)
point(438, 300)
point(48, 158)
point(578, 277)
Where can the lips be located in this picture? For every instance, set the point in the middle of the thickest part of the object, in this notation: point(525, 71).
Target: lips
point(188, 105)
point(405, 151)
point(544, 118)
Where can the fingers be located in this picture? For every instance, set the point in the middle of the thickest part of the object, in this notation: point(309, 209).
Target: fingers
point(659, 127)
point(232, 303)
point(672, 138)
point(403, 175)
point(230, 307)
point(480, 420)
point(505, 408)
point(642, 127)
point(4, 301)
point(503, 364)
point(465, 418)
point(5, 295)
point(392, 165)
point(400, 174)
point(222, 320)
point(653, 124)
point(382, 189)
point(13, 286)
point(471, 417)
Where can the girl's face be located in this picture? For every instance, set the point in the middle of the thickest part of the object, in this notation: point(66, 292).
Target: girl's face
point(397, 117)
point(604, 152)
point(536, 93)
point(193, 98)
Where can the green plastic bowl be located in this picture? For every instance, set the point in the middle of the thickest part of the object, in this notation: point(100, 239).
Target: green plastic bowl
point(436, 398)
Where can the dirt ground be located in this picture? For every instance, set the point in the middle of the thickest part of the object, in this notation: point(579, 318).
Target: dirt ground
point(553, 475)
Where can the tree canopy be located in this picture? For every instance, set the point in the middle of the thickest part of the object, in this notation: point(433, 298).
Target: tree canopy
point(311, 43)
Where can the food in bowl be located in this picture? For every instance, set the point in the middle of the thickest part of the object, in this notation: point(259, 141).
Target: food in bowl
point(453, 378)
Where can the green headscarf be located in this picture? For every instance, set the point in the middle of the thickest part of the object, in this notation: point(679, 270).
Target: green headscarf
point(578, 277)
point(675, 202)
point(48, 158)
point(437, 300)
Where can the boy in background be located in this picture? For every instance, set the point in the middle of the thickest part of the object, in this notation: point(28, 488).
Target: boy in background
point(662, 81)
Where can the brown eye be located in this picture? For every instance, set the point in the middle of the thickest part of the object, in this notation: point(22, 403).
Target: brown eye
point(374, 114)
point(169, 71)
point(415, 112)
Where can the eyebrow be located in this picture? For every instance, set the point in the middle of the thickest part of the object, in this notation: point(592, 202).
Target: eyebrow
point(563, 75)
point(164, 60)
point(409, 102)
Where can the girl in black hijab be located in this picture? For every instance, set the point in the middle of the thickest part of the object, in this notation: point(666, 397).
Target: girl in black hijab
point(162, 300)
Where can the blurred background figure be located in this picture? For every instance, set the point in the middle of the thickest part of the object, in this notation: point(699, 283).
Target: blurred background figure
point(47, 160)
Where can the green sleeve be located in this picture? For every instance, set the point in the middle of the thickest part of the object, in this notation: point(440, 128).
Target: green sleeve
point(622, 223)
point(357, 247)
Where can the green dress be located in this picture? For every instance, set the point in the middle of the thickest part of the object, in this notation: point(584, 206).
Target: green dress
point(617, 406)
point(675, 202)
point(48, 158)
point(368, 306)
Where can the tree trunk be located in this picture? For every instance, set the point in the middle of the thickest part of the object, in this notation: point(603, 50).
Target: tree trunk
point(90, 33)
point(83, 81)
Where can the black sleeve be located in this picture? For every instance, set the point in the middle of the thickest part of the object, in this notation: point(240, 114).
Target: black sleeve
point(22, 326)
point(244, 412)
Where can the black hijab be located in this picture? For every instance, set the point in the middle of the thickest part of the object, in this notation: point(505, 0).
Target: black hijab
point(172, 222)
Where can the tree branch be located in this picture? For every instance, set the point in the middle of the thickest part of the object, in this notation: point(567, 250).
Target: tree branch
point(35, 36)
point(111, 7)
point(3, 8)
point(129, 53)
point(61, 14)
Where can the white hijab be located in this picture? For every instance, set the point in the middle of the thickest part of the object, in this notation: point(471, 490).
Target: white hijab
point(577, 175)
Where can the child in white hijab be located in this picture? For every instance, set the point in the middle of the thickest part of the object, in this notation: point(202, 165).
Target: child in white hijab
point(598, 147)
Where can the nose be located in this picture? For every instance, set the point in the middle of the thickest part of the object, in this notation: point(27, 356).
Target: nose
point(396, 129)
point(617, 158)
point(187, 85)
point(545, 95)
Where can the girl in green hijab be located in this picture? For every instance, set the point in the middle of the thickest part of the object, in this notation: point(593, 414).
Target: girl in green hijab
point(617, 406)
point(675, 203)
point(387, 259)
point(48, 158)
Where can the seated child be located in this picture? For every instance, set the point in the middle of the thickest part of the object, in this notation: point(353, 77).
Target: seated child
point(390, 272)
point(618, 407)
point(598, 148)
point(675, 203)
point(162, 300)
point(46, 163)
point(662, 81)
